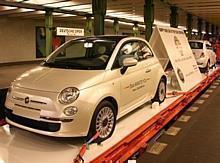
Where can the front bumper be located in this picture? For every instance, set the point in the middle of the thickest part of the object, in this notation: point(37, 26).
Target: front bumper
point(202, 62)
point(33, 116)
point(58, 129)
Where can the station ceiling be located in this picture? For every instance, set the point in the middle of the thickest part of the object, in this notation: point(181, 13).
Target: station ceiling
point(125, 9)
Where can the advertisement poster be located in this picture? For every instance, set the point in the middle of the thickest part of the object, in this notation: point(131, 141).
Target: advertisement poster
point(171, 44)
point(41, 42)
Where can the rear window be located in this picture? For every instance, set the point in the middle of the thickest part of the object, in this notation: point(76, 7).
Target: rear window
point(196, 45)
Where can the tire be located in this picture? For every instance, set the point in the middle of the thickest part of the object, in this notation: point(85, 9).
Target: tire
point(161, 92)
point(207, 66)
point(205, 69)
point(106, 129)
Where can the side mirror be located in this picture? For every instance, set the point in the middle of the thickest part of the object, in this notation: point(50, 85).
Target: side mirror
point(128, 62)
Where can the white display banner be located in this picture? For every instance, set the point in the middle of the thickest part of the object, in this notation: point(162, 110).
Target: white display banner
point(62, 31)
point(172, 44)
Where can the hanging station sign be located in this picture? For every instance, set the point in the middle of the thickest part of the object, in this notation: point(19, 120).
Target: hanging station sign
point(63, 31)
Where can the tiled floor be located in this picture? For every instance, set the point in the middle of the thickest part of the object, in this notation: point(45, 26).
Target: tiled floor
point(199, 138)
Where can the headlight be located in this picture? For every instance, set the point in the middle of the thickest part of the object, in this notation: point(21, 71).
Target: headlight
point(70, 111)
point(202, 55)
point(68, 95)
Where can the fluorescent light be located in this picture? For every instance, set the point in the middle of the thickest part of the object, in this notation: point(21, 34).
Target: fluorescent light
point(161, 23)
point(125, 23)
point(8, 8)
point(60, 4)
point(26, 10)
point(182, 27)
point(40, 12)
point(67, 15)
point(194, 30)
point(203, 32)
point(127, 16)
point(89, 10)
point(78, 7)
point(140, 25)
point(57, 13)
point(109, 20)
point(41, 2)
point(2, 161)
point(108, 11)
point(15, 0)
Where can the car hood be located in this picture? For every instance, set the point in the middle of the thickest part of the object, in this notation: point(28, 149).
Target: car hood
point(55, 79)
point(197, 53)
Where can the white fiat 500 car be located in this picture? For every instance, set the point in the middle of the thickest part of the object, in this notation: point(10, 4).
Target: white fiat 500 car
point(84, 86)
point(204, 54)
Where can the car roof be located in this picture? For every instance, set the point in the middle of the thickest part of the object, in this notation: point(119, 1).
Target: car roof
point(202, 41)
point(116, 38)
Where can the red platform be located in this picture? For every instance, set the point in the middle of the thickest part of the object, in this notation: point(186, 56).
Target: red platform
point(139, 139)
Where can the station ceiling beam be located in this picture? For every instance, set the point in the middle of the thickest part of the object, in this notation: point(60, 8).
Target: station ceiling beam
point(40, 7)
point(59, 10)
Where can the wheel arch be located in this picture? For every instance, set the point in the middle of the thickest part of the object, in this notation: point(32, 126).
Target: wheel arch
point(165, 78)
point(113, 101)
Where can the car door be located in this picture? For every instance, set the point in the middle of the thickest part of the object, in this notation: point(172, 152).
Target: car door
point(132, 80)
point(150, 66)
point(211, 54)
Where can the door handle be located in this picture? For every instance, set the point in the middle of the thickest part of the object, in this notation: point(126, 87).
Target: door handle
point(147, 70)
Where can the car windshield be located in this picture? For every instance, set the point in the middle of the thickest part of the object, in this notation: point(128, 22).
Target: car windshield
point(83, 54)
point(196, 45)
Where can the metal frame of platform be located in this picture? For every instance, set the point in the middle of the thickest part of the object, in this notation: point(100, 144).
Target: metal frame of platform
point(140, 138)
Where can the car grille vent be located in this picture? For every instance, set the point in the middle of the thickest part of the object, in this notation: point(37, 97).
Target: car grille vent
point(32, 101)
point(27, 107)
point(39, 125)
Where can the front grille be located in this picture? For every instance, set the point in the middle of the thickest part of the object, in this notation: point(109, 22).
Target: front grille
point(31, 101)
point(39, 125)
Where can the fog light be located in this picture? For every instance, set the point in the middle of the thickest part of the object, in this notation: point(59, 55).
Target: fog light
point(70, 111)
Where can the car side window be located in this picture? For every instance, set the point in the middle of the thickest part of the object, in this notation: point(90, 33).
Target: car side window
point(129, 49)
point(144, 51)
point(135, 49)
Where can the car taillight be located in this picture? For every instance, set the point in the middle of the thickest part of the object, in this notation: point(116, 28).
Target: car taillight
point(202, 55)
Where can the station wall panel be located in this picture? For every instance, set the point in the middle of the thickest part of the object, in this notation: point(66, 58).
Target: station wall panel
point(18, 42)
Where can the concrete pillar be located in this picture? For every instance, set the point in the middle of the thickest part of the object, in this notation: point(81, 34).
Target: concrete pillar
point(49, 31)
point(99, 11)
point(88, 26)
point(189, 25)
point(174, 16)
point(207, 28)
point(217, 33)
point(199, 26)
point(116, 27)
point(148, 18)
point(217, 30)
point(213, 29)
